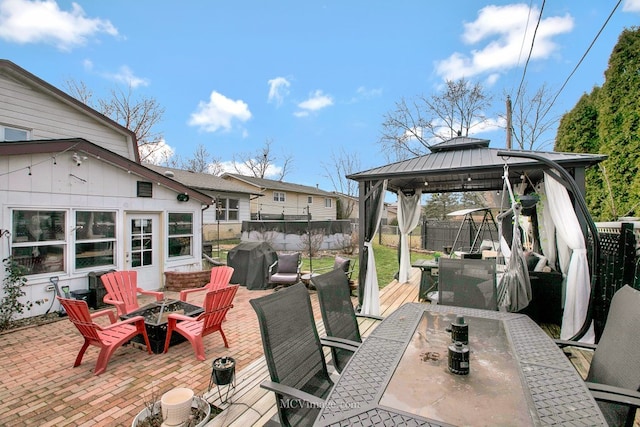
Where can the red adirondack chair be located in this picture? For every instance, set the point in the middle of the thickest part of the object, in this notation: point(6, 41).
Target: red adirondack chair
point(220, 277)
point(108, 338)
point(122, 291)
point(216, 305)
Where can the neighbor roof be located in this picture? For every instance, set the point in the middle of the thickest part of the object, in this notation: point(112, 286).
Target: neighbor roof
point(201, 181)
point(467, 164)
point(263, 184)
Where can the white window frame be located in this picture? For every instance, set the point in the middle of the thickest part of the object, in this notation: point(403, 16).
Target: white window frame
point(108, 241)
point(279, 196)
point(309, 200)
point(328, 202)
point(3, 132)
point(177, 235)
point(222, 212)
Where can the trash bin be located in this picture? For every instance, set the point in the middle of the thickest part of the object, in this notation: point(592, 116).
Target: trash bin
point(87, 295)
point(97, 286)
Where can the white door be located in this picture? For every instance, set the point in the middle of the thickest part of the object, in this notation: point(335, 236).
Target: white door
point(143, 249)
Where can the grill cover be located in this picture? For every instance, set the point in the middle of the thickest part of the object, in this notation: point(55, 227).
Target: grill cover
point(251, 261)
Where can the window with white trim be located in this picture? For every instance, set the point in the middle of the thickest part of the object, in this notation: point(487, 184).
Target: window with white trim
point(38, 240)
point(95, 233)
point(328, 202)
point(279, 196)
point(309, 200)
point(180, 234)
point(8, 133)
point(228, 209)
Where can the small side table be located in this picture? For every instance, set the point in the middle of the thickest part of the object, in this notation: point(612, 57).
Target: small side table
point(306, 278)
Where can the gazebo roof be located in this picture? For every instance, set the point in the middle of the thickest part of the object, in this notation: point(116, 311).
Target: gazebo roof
point(468, 164)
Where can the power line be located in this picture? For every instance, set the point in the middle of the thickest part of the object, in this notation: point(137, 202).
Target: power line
point(533, 40)
point(585, 53)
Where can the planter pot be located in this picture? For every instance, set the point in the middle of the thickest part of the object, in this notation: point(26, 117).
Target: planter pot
point(223, 370)
point(176, 406)
point(196, 402)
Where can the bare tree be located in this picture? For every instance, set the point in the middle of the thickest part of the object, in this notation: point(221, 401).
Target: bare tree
point(342, 164)
point(261, 162)
point(140, 115)
point(201, 162)
point(415, 125)
point(531, 119)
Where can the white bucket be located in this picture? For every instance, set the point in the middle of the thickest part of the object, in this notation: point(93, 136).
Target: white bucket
point(176, 406)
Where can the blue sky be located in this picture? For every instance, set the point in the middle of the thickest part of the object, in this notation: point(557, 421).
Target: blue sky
point(313, 77)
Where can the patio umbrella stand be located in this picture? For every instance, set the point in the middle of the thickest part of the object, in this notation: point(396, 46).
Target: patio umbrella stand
point(223, 375)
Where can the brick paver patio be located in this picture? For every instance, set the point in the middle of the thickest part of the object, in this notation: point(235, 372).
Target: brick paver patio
point(40, 387)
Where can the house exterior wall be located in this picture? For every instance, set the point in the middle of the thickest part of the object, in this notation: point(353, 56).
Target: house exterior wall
point(94, 186)
point(226, 229)
point(24, 106)
point(295, 204)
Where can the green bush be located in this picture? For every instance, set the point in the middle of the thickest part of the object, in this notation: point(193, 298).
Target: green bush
point(12, 284)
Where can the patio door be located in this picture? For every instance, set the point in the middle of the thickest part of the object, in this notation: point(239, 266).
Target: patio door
point(143, 249)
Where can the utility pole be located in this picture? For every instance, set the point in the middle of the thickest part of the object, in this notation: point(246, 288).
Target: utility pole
point(508, 144)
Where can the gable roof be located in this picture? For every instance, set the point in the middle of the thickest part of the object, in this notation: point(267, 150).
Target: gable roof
point(24, 76)
point(60, 146)
point(468, 164)
point(201, 181)
point(270, 184)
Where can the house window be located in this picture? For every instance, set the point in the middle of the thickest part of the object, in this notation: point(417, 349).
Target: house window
point(13, 134)
point(228, 210)
point(95, 233)
point(327, 202)
point(180, 234)
point(279, 196)
point(38, 240)
point(309, 200)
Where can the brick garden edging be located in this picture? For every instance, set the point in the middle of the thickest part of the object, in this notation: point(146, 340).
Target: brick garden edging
point(177, 281)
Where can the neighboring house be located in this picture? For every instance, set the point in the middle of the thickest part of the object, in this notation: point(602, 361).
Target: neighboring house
point(284, 200)
point(223, 220)
point(74, 198)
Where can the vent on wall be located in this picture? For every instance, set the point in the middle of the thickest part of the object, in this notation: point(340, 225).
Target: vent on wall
point(145, 189)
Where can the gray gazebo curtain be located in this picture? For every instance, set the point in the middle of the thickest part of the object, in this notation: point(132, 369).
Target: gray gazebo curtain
point(372, 192)
point(408, 218)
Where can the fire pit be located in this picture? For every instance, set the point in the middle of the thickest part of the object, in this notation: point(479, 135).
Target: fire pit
point(155, 320)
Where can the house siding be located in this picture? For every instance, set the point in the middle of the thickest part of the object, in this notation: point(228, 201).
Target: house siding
point(23, 106)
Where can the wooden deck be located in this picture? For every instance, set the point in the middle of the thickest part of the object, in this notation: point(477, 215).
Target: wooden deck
point(251, 405)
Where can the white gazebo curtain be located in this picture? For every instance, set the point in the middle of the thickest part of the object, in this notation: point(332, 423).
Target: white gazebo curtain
point(371, 298)
point(572, 255)
point(408, 218)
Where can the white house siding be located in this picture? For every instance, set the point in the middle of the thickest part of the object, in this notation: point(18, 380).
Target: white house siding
point(94, 185)
point(23, 106)
point(227, 229)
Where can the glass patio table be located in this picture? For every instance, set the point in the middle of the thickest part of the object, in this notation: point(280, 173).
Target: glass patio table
point(517, 375)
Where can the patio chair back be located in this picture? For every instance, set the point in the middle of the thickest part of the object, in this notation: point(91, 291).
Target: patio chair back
point(467, 283)
point(122, 290)
point(338, 314)
point(220, 277)
point(108, 338)
point(615, 361)
point(292, 350)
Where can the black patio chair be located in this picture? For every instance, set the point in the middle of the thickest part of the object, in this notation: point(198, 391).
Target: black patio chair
point(614, 373)
point(339, 317)
point(467, 283)
point(294, 355)
point(285, 271)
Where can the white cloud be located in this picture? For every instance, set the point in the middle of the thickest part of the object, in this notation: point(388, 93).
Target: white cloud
point(316, 101)
point(125, 75)
point(218, 113)
point(278, 90)
point(631, 6)
point(156, 154)
point(501, 29)
point(23, 21)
